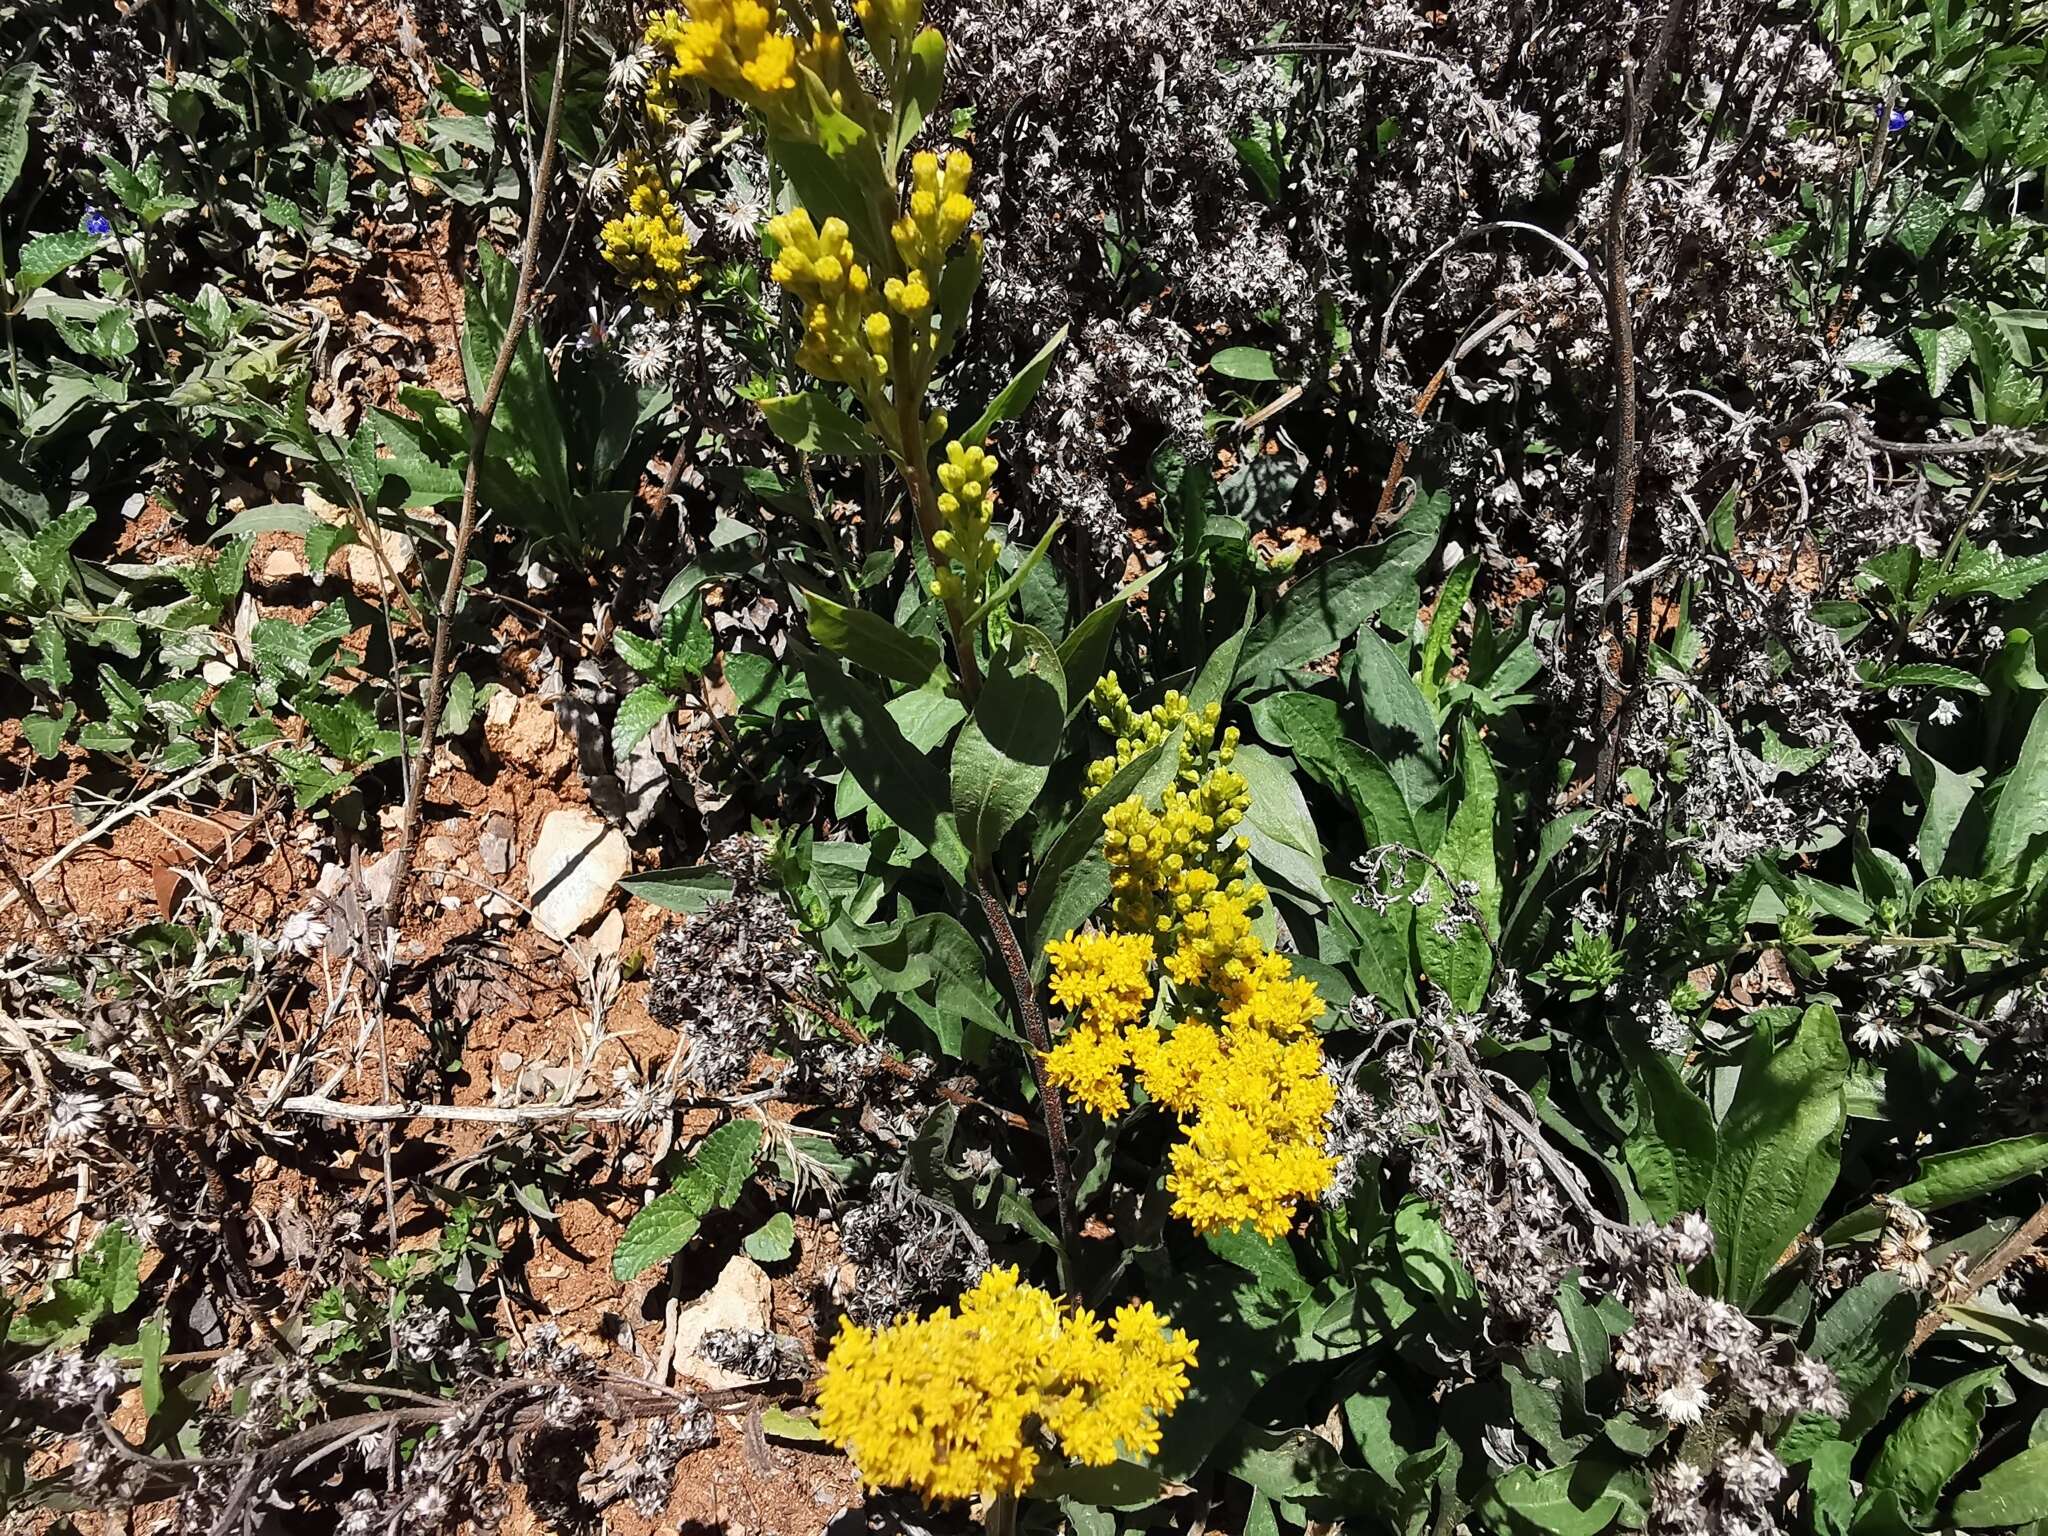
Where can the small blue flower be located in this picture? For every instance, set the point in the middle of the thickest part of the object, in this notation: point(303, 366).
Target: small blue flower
point(1898, 120)
point(97, 223)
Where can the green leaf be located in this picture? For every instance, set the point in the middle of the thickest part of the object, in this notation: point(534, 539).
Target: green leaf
point(1015, 397)
point(1573, 1500)
point(2015, 1492)
point(1121, 1484)
point(1443, 626)
point(871, 641)
point(2021, 813)
point(1327, 606)
point(639, 712)
point(17, 102)
point(1949, 1178)
point(716, 1173)
point(1003, 755)
point(1001, 595)
point(1781, 1149)
point(772, 1241)
point(1278, 826)
point(1463, 966)
point(919, 96)
point(1072, 879)
point(898, 777)
point(150, 1342)
point(1941, 353)
point(339, 82)
point(1934, 1443)
point(526, 445)
point(691, 888)
point(47, 256)
point(813, 422)
point(1673, 1149)
point(1944, 797)
point(784, 1425)
point(1085, 651)
point(1312, 729)
point(1252, 364)
point(1926, 674)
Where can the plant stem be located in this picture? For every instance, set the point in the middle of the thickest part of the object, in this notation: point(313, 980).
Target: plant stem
point(479, 435)
point(1039, 1041)
point(2003, 1257)
point(917, 471)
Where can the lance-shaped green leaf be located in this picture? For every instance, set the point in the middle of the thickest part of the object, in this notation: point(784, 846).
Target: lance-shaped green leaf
point(897, 776)
point(1948, 1178)
point(1781, 1148)
point(1004, 753)
point(871, 641)
point(1015, 397)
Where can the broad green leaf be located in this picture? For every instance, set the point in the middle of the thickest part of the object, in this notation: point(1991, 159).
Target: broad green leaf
point(1949, 1178)
point(1401, 728)
point(1072, 880)
point(1254, 365)
point(1002, 755)
point(1312, 728)
point(871, 641)
point(2015, 1492)
point(1673, 1149)
point(526, 434)
point(17, 102)
point(48, 256)
point(1944, 798)
point(1015, 397)
point(1278, 826)
point(1219, 674)
point(716, 1173)
point(1781, 1148)
point(1575, 1500)
point(784, 1425)
point(1941, 353)
point(772, 1241)
point(340, 81)
point(813, 422)
point(2021, 812)
point(1935, 1442)
point(639, 712)
point(900, 778)
point(691, 888)
point(1328, 605)
point(1927, 674)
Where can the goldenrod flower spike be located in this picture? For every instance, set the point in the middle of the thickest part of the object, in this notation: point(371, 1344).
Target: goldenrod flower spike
point(647, 244)
point(959, 1403)
point(964, 542)
point(1243, 1070)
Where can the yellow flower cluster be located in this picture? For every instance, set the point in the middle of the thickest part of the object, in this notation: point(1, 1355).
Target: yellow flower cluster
point(1243, 1068)
point(846, 339)
point(646, 244)
point(1104, 981)
point(939, 211)
point(1135, 732)
point(743, 48)
point(957, 1404)
point(964, 503)
point(849, 334)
